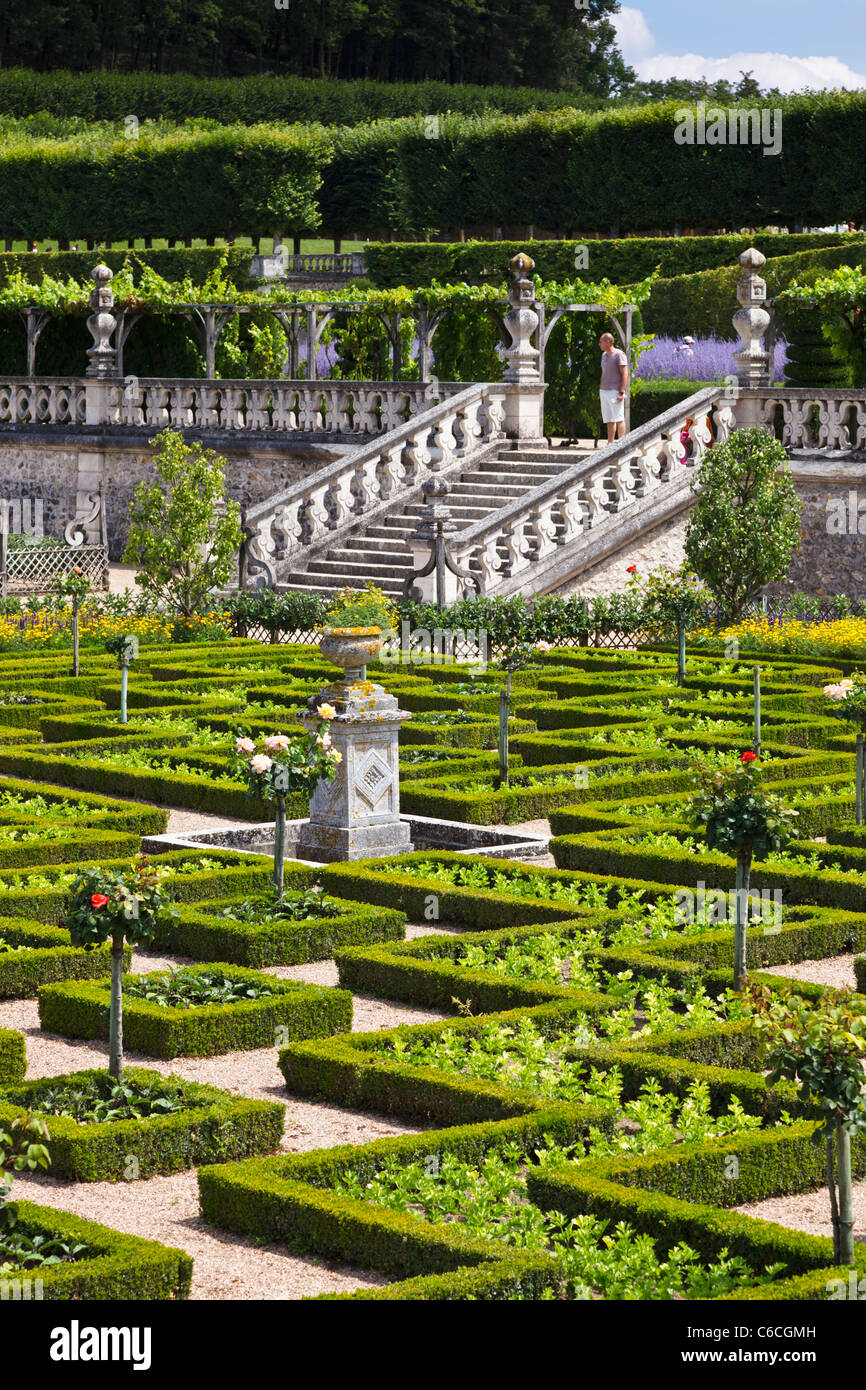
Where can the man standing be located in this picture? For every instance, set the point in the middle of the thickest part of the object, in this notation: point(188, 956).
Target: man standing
point(612, 387)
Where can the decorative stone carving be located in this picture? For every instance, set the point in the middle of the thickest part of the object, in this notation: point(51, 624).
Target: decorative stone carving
point(524, 389)
point(102, 323)
point(357, 814)
point(751, 322)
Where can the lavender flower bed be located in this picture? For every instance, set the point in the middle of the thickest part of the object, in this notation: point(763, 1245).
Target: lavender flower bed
point(711, 360)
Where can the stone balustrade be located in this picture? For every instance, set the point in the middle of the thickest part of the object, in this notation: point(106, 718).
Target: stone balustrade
point(813, 418)
point(374, 476)
point(332, 408)
point(43, 401)
point(528, 542)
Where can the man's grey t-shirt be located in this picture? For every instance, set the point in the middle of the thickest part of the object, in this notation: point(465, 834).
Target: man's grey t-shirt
point(610, 373)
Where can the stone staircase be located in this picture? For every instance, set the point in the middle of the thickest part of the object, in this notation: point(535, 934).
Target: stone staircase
point(378, 553)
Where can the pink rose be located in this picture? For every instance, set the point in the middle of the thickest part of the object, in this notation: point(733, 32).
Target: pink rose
point(260, 763)
point(277, 743)
point(245, 745)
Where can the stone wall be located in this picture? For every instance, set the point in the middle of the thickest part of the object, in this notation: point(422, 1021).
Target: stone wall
point(64, 470)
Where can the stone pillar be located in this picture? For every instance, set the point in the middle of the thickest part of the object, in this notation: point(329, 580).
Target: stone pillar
point(357, 814)
point(751, 322)
point(524, 388)
point(102, 323)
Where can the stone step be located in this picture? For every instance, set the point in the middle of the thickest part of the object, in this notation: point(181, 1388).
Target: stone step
point(339, 569)
point(398, 556)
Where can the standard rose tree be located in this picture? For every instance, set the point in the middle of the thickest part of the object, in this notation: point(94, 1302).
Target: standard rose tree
point(847, 700)
point(288, 765)
point(117, 906)
point(741, 818)
point(821, 1045)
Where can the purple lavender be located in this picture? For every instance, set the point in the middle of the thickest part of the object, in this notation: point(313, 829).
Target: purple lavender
point(711, 359)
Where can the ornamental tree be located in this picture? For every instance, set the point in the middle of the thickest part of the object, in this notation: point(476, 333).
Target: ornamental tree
point(739, 817)
point(117, 905)
point(183, 533)
point(745, 525)
point(288, 765)
point(671, 601)
point(821, 1046)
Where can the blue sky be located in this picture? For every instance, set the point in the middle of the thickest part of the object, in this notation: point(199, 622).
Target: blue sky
point(787, 43)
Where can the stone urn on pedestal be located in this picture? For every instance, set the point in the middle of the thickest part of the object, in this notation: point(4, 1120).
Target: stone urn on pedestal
point(356, 815)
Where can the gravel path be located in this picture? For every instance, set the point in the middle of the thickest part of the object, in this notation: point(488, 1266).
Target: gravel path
point(181, 821)
point(226, 1266)
point(809, 1212)
point(837, 972)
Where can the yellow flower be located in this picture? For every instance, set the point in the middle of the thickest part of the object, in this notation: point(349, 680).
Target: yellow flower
point(327, 711)
point(336, 756)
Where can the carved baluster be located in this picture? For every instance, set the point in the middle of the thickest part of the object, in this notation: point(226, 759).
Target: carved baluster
point(494, 414)
point(444, 444)
point(573, 512)
point(416, 458)
point(489, 561)
point(470, 426)
point(316, 511)
point(598, 497)
point(367, 488)
point(309, 415)
point(860, 427)
point(393, 473)
point(723, 420)
point(701, 438)
point(342, 498)
point(542, 529)
point(832, 433)
point(625, 482)
point(514, 540)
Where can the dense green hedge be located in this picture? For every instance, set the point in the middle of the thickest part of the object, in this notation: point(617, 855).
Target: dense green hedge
point(87, 843)
point(201, 933)
point(389, 176)
point(13, 1056)
point(217, 1128)
point(623, 261)
point(704, 303)
point(292, 1009)
point(111, 96)
point(117, 1266)
point(42, 954)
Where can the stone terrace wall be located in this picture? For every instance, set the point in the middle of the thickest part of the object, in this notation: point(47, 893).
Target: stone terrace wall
point(63, 470)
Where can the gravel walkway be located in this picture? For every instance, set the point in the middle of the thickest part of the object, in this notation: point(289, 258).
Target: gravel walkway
point(226, 1266)
point(837, 972)
point(184, 822)
point(809, 1212)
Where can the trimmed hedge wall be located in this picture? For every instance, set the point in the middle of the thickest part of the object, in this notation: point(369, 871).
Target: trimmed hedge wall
point(291, 1009)
point(218, 1127)
point(13, 1056)
point(117, 1267)
point(624, 261)
point(201, 934)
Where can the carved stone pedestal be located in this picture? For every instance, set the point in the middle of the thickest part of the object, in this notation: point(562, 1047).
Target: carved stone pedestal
point(357, 814)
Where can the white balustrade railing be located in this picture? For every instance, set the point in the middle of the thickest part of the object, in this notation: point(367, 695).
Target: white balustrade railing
point(42, 401)
point(533, 532)
point(814, 418)
point(322, 407)
point(265, 406)
point(315, 513)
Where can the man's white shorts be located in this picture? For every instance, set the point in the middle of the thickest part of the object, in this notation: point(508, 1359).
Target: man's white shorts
point(612, 410)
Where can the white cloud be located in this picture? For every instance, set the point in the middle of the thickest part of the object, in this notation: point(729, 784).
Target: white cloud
point(769, 69)
point(639, 49)
point(633, 34)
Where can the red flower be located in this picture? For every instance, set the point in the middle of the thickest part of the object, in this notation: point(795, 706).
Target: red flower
point(99, 900)
point(748, 757)
point(630, 569)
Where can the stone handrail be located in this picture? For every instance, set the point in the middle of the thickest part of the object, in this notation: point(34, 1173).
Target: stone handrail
point(43, 401)
point(813, 417)
point(531, 533)
point(333, 262)
point(389, 469)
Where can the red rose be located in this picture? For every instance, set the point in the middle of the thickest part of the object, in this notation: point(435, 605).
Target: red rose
point(99, 900)
point(748, 757)
point(630, 569)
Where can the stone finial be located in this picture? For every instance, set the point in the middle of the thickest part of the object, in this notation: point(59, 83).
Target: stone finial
point(751, 320)
point(521, 321)
point(102, 323)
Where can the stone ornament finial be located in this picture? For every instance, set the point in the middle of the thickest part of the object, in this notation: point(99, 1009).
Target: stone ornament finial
point(751, 320)
point(521, 321)
point(102, 323)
